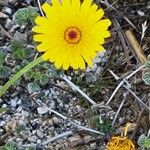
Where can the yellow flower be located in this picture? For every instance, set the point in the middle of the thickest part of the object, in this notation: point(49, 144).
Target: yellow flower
point(121, 142)
point(71, 32)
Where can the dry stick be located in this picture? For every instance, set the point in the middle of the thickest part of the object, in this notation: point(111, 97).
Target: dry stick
point(136, 97)
point(115, 91)
point(134, 72)
point(78, 89)
point(59, 136)
point(136, 46)
point(122, 39)
point(122, 82)
point(128, 88)
point(72, 122)
point(118, 111)
point(39, 4)
point(75, 124)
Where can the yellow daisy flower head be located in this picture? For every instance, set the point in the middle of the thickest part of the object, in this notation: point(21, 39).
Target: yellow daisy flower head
point(71, 33)
point(120, 143)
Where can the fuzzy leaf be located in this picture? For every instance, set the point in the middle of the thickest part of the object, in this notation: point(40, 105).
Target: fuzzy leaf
point(147, 64)
point(24, 15)
point(43, 79)
point(33, 87)
point(146, 78)
point(2, 57)
point(144, 141)
point(4, 72)
point(10, 146)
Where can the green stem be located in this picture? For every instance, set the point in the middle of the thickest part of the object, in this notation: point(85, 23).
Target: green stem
point(4, 88)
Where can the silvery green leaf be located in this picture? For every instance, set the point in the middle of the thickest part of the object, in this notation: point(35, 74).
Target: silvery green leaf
point(24, 15)
point(43, 79)
point(33, 87)
point(146, 78)
point(147, 64)
point(141, 140)
point(4, 71)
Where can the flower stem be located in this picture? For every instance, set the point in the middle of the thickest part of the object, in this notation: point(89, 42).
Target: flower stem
point(12, 80)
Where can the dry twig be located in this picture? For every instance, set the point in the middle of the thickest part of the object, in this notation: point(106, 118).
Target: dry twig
point(136, 46)
point(80, 91)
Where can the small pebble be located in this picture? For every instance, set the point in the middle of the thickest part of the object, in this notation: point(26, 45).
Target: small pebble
point(42, 110)
point(93, 146)
point(19, 109)
point(19, 102)
point(2, 123)
point(25, 113)
point(50, 122)
point(13, 102)
point(55, 120)
point(32, 138)
point(8, 10)
point(40, 134)
point(38, 141)
point(4, 106)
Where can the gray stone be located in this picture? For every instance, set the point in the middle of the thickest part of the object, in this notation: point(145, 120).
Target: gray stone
point(19, 109)
point(40, 134)
point(19, 102)
point(33, 138)
point(2, 123)
point(42, 110)
point(38, 141)
point(8, 10)
point(25, 113)
point(4, 106)
point(55, 120)
point(13, 102)
point(50, 122)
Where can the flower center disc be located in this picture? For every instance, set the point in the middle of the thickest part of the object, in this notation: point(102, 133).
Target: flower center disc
point(72, 35)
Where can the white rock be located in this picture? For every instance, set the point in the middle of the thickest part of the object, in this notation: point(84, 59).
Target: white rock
point(40, 134)
point(50, 122)
point(8, 10)
point(19, 109)
point(32, 138)
point(141, 13)
point(19, 102)
point(46, 92)
point(61, 104)
point(34, 132)
point(2, 123)
point(55, 120)
point(8, 23)
point(25, 113)
point(38, 141)
point(42, 110)
point(13, 102)
point(93, 145)
point(4, 106)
